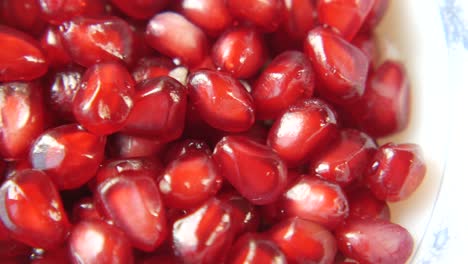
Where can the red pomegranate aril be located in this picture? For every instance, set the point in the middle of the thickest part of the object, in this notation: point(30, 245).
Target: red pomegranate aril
point(152, 67)
point(42, 222)
point(22, 114)
point(96, 242)
point(221, 100)
point(363, 204)
point(21, 57)
point(52, 44)
point(374, 241)
point(315, 200)
point(159, 110)
point(344, 16)
point(140, 9)
point(174, 36)
point(57, 256)
point(367, 43)
point(127, 200)
point(23, 15)
point(244, 214)
point(210, 15)
point(254, 170)
point(240, 51)
point(10, 248)
point(204, 235)
point(187, 146)
point(397, 170)
point(375, 15)
point(93, 40)
point(303, 241)
point(127, 146)
point(288, 78)
point(85, 210)
point(55, 12)
point(341, 68)
point(69, 154)
point(265, 14)
point(384, 108)
point(252, 248)
point(160, 259)
point(300, 18)
point(104, 100)
point(150, 166)
point(347, 159)
point(303, 130)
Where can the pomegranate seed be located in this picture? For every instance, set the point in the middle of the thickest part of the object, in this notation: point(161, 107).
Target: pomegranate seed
point(375, 14)
point(254, 170)
point(366, 42)
point(303, 130)
point(56, 256)
point(288, 78)
point(347, 159)
point(210, 15)
point(42, 222)
point(140, 9)
point(345, 16)
point(341, 68)
point(189, 180)
point(244, 214)
point(145, 208)
point(22, 117)
point(397, 170)
point(315, 200)
point(96, 242)
point(363, 204)
point(240, 51)
point(56, 12)
point(300, 18)
point(10, 248)
point(126, 146)
point(52, 44)
point(93, 40)
point(374, 241)
point(384, 108)
point(221, 100)
point(265, 14)
point(22, 14)
point(160, 259)
point(250, 248)
point(164, 96)
point(152, 67)
point(203, 235)
point(105, 98)
point(188, 43)
point(21, 57)
point(68, 154)
point(303, 241)
point(84, 210)
point(15, 166)
point(187, 146)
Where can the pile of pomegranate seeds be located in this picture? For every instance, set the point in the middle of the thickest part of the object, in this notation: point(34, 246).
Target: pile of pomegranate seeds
point(201, 131)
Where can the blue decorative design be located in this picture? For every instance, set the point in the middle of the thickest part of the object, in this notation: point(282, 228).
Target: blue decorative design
point(455, 22)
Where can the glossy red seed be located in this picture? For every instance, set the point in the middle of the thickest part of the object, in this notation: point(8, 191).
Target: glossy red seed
point(204, 235)
point(221, 100)
point(152, 67)
point(69, 154)
point(160, 259)
point(85, 210)
point(56, 256)
point(104, 100)
point(303, 130)
point(10, 248)
point(287, 79)
point(265, 14)
point(303, 241)
point(23, 15)
point(96, 242)
point(187, 146)
point(210, 15)
point(126, 146)
point(345, 16)
point(56, 12)
point(159, 109)
point(140, 9)
point(42, 222)
point(21, 57)
point(300, 18)
point(188, 43)
point(315, 200)
point(384, 108)
point(245, 215)
point(341, 68)
point(254, 170)
point(367, 43)
point(93, 40)
point(52, 44)
point(240, 51)
point(374, 241)
point(22, 112)
point(363, 204)
point(347, 159)
point(251, 248)
point(397, 171)
point(127, 200)
point(375, 15)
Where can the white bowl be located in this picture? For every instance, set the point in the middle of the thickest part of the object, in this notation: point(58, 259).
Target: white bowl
point(431, 38)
